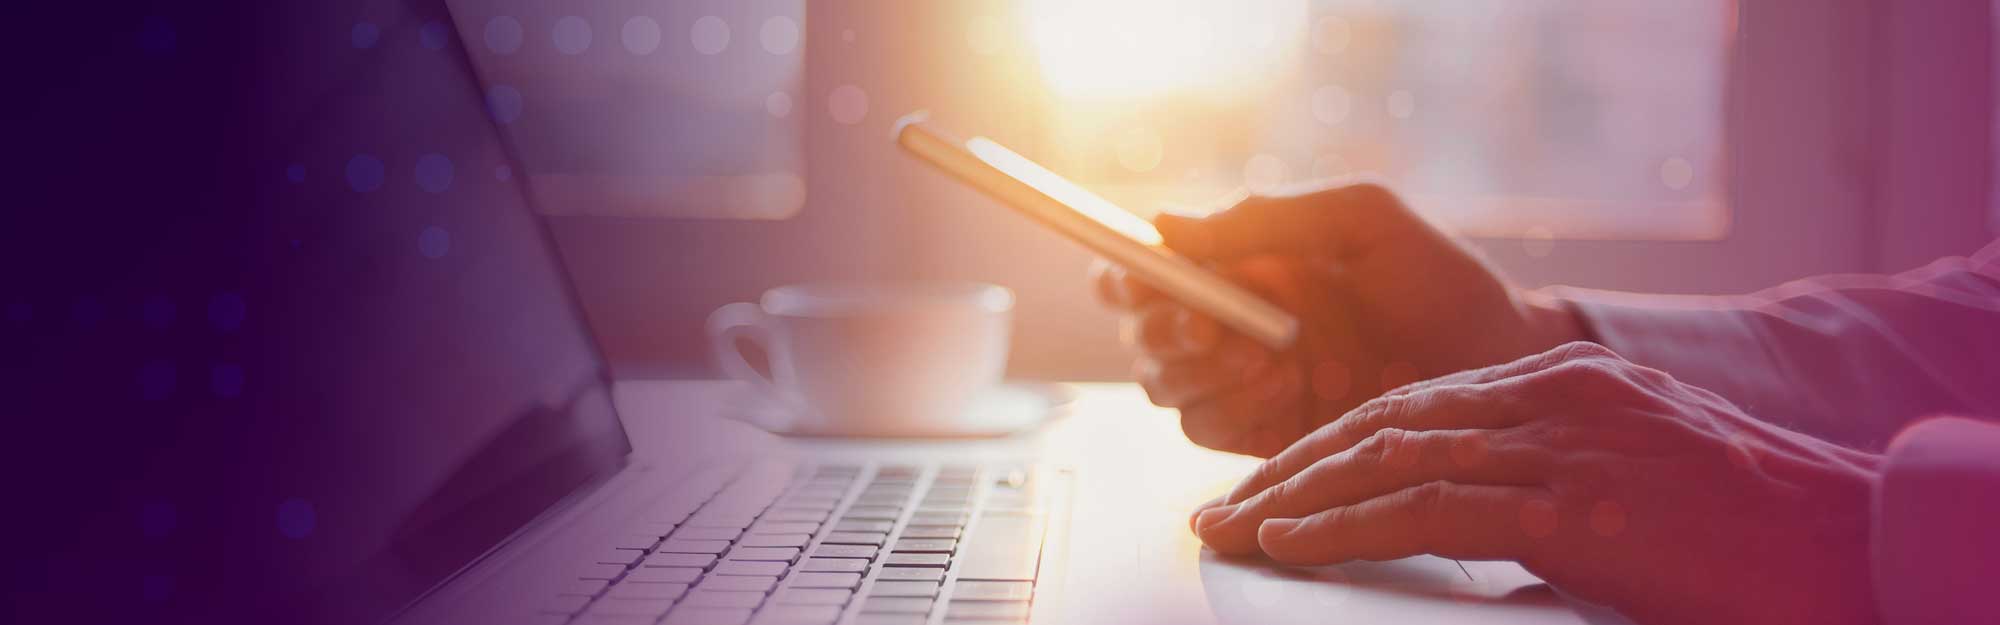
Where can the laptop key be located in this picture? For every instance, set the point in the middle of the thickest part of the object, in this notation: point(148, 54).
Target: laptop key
point(856, 538)
point(664, 592)
point(634, 607)
point(764, 554)
point(582, 587)
point(898, 605)
point(749, 567)
point(815, 596)
point(987, 610)
point(925, 545)
point(859, 525)
point(707, 533)
point(749, 583)
point(620, 557)
point(903, 589)
point(634, 541)
point(874, 513)
point(889, 619)
point(695, 560)
point(723, 599)
point(917, 559)
point(938, 518)
point(796, 514)
point(708, 616)
point(784, 527)
point(1004, 546)
point(798, 615)
point(911, 574)
point(931, 531)
point(834, 565)
point(660, 575)
point(993, 591)
point(600, 571)
point(825, 580)
point(676, 545)
point(845, 551)
point(775, 540)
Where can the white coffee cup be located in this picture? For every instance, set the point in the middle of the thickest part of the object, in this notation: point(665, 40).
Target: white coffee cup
point(870, 359)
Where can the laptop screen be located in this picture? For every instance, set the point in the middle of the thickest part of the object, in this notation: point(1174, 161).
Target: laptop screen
point(446, 388)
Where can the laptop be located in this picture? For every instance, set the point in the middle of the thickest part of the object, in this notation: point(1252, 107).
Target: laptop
point(485, 474)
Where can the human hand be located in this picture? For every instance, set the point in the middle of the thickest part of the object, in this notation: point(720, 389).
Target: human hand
point(1383, 299)
point(1610, 480)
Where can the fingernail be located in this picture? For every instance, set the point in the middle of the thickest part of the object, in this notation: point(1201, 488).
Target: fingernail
point(1208, 518)
point(1278, 527)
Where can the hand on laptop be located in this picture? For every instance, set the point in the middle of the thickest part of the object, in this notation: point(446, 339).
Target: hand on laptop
point(1384, 300)
point(1613, 481)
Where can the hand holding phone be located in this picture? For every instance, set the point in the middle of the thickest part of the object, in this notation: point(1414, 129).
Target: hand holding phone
point(1097, 224)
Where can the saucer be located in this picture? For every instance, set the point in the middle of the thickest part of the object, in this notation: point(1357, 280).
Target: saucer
point(1006, 409)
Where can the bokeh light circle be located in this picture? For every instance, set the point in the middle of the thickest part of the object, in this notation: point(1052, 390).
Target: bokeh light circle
point(778, 104)
point(710, 35)
point(1677, 173)
point(295, 172)
point(1401, 104)
point(227, 311)
point(434, 35)
point(1140, 149)
point(504, 103)
point(296, 518)
point(641, 35)
point(226, 380)
point(503, 35)
point(434, 172)
point(779, 35)
point(434, 242)
point(1331, 104)
point(1264, 173)
point(365, 173)
point(1538, 518)
point(364, 35)
point(571, 35)
point(1330, 35)
point(847, 104)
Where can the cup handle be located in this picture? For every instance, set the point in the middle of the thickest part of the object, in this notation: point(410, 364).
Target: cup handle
point(731, 323)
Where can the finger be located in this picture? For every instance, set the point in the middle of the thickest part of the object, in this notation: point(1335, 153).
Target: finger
point(1164, 330)
point(1463, 402)
point(1117, 288)
point(1190, 381)
point(1389, 461)
point(1340, 221)
point(1252, 419)
point(1459, 521)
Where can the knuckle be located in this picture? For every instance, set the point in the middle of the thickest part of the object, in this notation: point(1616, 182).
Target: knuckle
point(1582, 350)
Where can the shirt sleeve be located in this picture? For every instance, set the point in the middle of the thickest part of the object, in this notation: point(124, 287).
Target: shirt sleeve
point(1935, 554)
point(1851, 359)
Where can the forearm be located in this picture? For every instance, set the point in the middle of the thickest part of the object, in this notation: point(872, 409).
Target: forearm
point(1851, 359)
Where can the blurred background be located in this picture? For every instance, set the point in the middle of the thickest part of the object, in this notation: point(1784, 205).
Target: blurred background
point(702, 151)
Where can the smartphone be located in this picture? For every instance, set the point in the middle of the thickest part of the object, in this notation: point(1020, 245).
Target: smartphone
point(1097, 224)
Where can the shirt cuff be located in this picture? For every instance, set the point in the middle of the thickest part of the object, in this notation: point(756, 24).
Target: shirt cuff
point(1706, 341)
point(1935, 550)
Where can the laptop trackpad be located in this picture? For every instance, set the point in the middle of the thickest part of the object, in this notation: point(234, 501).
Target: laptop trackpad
point(1423, 589)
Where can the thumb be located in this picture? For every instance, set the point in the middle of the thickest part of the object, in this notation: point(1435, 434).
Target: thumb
point(1341, 221)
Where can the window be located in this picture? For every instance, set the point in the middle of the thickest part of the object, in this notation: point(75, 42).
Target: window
point(1545, 118)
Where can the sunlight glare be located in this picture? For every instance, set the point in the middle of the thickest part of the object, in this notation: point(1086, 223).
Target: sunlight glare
point(1138, 48)
point(1062, 190)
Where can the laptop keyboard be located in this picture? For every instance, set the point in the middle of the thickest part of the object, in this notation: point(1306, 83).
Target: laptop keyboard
point(787, 544)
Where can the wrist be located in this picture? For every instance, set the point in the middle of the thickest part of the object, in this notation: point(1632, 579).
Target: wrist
point(1551, 321)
